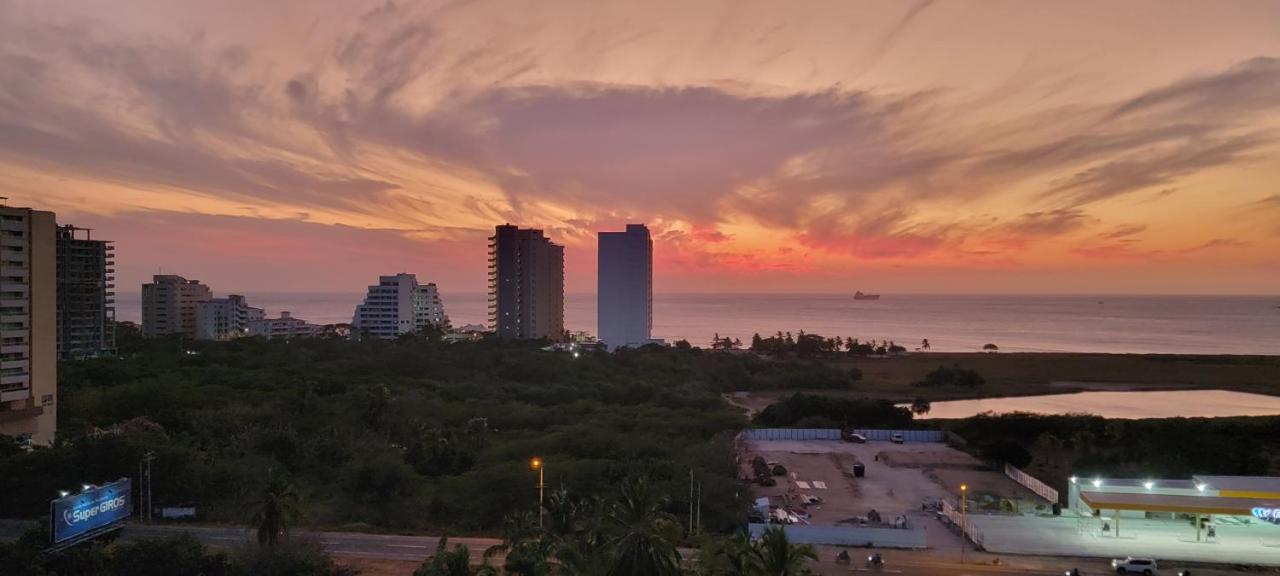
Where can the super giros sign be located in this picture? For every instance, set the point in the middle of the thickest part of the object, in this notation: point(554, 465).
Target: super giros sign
point(91, 510)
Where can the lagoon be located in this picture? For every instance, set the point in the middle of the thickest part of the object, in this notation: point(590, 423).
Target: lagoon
point(1127, 405)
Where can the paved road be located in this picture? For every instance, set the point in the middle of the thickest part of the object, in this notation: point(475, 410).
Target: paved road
point(383, 546)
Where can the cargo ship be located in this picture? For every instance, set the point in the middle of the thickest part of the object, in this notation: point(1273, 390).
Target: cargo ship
point(860, 296)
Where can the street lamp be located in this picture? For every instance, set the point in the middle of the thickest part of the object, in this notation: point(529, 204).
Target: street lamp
point(536, 464)
point(964, 518)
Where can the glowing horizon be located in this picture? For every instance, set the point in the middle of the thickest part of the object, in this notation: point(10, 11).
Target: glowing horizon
point(922, 148)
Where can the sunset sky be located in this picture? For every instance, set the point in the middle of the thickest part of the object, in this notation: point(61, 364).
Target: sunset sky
point(798, 146)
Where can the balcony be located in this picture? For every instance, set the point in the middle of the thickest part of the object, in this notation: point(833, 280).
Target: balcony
point(14, 225)
point(15, 318)
point(23, 334)
point(13, 381)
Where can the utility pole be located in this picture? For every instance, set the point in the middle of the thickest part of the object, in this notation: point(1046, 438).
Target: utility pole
point(150, 504)
point(964, 519)
point(142, 499)
point(691, 501)
point(537, 464)
point(698, 524)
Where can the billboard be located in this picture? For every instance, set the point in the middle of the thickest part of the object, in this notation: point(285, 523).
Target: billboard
point(91, 511)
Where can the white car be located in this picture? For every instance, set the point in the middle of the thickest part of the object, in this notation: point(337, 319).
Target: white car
point(1131, 565)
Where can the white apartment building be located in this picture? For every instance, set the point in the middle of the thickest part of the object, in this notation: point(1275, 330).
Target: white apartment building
point(28, 325)
point(169, 305)
point(286, 326)
point(225, 318)
point(398, 305)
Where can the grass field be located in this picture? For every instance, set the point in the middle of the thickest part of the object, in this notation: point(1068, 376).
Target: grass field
point(1028, 374)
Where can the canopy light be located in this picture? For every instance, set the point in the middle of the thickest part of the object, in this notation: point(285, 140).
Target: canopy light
point(1148, 484)
point(1201, 487)
point(1097, 482)
point(1073, 479)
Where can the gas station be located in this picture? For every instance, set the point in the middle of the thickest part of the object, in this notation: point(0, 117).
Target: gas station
point(1203, 501)
point(1221, 519)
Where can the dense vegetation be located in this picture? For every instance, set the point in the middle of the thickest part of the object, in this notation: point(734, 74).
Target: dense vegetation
point(810, 411)
point(810, 346)
point(409, 434)
point(951, 376)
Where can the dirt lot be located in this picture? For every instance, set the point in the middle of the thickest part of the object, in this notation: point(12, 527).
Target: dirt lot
point(928, 456)
point(900, 478)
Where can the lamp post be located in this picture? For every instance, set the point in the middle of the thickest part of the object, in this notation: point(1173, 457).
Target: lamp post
point(536, 464)
point(964, 518)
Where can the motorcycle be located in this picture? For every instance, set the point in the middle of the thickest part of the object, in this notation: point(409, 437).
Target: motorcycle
point(875, 561)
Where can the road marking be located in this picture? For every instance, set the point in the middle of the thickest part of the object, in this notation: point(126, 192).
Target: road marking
point(407, 546)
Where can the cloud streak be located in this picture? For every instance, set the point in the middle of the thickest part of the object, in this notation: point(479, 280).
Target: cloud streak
point(405, 120)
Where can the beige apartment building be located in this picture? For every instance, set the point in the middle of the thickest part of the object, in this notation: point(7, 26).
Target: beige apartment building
point(28, 325)
point(170, 305)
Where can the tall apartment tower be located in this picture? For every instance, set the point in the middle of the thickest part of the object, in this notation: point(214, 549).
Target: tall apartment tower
point(169, 305)
point(225, 318)
point(86, 295)
point(624, 290)
point(526, 284)
point(399, 305)
point(28, 325)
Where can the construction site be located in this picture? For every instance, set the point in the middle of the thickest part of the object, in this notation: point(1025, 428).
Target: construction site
point(884, 493)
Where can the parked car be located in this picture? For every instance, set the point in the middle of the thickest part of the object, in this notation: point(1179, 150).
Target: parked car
point(897, 439)
point(856, 438)
point(1131, 565)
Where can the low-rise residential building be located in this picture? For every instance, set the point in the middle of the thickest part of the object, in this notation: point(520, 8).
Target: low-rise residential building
point(169, 305)
point(286, 326)
point(399, 305)
point(225, 318)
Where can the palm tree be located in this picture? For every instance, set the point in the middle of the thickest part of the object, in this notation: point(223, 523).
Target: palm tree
point(779, 557)
point(446, 561)
point(275, 510)
point(642, 545)
point(527, 552)
point(730, 556)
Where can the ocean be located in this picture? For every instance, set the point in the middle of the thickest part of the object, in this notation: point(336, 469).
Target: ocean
point(952, 323)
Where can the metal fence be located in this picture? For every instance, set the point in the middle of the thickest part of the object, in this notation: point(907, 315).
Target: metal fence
point(847, 536)
point(907, 435)
point(834, 434)
point(793, 434)
point(959, 521)
point(1031, 483)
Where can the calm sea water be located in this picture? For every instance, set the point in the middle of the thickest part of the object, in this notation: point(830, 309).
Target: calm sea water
point(1138, 324)
point(1126, 405)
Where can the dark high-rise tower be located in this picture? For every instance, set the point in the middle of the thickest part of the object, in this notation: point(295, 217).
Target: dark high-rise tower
point(86, 295)
point(624, 294)
point(526, 284)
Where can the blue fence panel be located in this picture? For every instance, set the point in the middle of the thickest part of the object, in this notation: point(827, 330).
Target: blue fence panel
point(907, 435)
point(847, 535)
point(793, 434)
